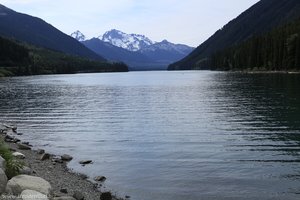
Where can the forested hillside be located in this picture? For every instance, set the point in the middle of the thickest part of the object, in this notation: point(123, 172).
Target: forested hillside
point(36, 31)
point(260, 18)
point(276, 50)
point(23, 59)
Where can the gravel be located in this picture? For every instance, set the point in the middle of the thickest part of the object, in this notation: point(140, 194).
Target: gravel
point(59, 176)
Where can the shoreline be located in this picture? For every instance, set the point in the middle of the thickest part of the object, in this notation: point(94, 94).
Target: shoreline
point(263, 71)
point(63, 180)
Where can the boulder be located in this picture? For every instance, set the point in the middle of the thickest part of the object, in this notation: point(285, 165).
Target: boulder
point(106, 196)
point(63, 190)
point(3, 181)
point(32, 195)
point(78, 195)
point(85, 162)
point(45, 156)
point(22, 182)
point(64, 198)
point(100, 178)
point(2, 163)
point(18, 155)
point(66, 157)
point(23, 146)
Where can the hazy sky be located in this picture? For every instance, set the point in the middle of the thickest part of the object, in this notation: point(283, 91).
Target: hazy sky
point(179, 21)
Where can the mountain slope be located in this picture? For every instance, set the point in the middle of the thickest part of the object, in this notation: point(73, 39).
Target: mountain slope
point(35, 31)
point(166, 52)
point(277, 50)
point(17, 58)
point(260, 18)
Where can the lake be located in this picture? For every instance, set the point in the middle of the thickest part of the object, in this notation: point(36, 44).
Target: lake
point(162, 135)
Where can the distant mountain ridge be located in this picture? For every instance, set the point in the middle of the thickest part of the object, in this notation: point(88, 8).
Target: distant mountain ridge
point(35, 31)
point(131, 42)
point(261, 17)
point(137, 51)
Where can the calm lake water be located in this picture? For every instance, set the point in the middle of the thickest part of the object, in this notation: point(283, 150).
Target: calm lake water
point(168, 135)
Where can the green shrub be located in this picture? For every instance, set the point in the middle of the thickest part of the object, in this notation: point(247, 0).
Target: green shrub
point(13, 165)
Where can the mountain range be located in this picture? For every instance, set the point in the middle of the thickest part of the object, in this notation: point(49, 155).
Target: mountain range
point(260, 18)
point(31, 46)
point(137, 51)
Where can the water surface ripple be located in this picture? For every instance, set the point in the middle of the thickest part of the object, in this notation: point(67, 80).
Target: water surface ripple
point(168, 135)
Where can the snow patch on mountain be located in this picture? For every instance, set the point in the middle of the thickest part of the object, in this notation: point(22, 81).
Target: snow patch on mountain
point(131, 42)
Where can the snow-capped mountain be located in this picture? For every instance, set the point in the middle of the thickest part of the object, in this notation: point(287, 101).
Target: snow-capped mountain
point(137, 51)
point(131, 42)
point(78, 36)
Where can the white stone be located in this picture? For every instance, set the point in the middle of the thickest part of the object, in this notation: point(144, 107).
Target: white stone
point(18, 155)
point(3, 181)
point(23, 182)
point(33, 195)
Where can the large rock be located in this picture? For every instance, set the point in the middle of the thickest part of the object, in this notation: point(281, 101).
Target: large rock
point(66, 157)
point(23, 146)
point(2, 163)
point(100, 178)
point(32, 195)
point(3, 181)
point(18, 155)
point(23, 182)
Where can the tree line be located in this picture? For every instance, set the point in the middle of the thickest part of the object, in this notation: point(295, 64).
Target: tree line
point(277, 50)
point(22, 59)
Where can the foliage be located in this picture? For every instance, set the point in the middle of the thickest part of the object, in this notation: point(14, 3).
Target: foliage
point(13, 165)
point(261, 18)
point(277, 50)
point(23, 59)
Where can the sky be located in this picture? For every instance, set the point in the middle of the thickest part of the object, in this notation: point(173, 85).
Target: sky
point(188, 22)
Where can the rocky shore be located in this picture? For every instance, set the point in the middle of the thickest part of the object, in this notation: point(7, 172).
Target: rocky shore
point(45, 176)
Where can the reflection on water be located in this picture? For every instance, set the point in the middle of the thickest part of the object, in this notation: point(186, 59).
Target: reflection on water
point(168, 135)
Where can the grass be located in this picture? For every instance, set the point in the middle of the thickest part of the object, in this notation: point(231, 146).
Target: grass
point(13, 165)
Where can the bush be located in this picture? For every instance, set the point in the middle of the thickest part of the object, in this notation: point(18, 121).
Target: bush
point(13, 165)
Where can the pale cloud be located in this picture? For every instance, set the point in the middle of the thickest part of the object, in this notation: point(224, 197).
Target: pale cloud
point(180, 21)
